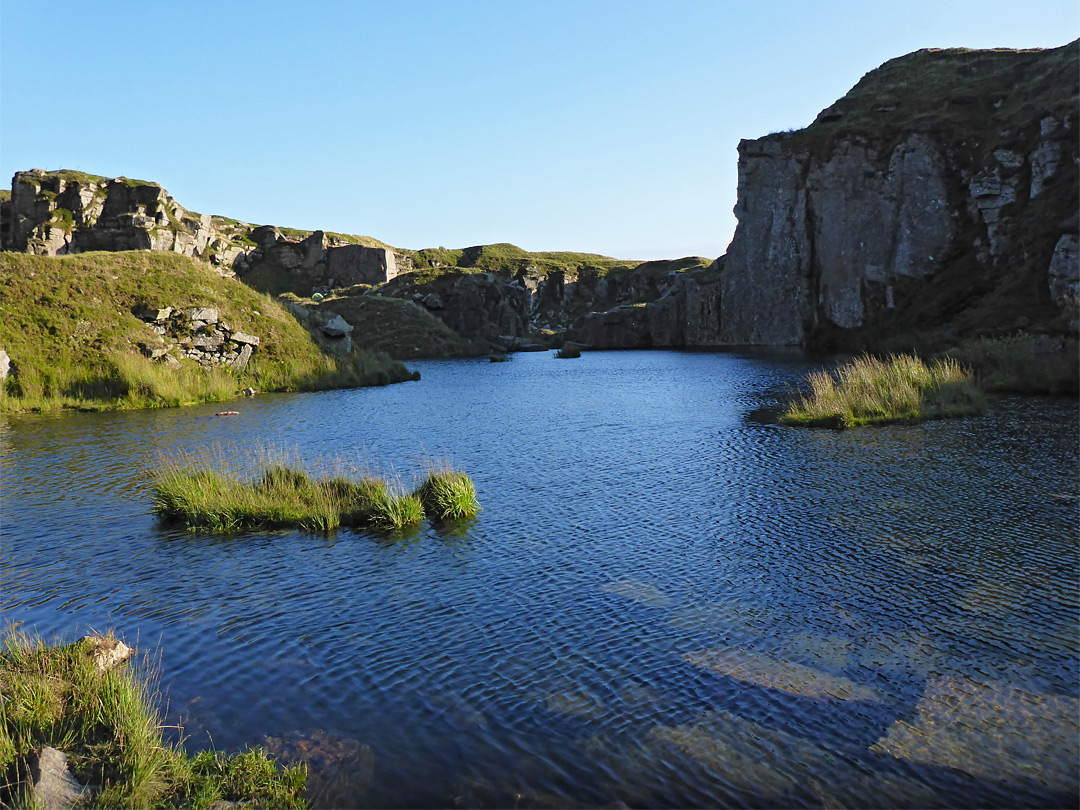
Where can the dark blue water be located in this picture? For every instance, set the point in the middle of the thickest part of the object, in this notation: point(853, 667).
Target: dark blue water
point(665, 602)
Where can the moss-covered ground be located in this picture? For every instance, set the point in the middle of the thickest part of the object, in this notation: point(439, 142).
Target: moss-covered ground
point(67, 325)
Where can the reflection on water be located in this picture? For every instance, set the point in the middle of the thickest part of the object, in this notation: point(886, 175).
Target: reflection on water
point(665, 602)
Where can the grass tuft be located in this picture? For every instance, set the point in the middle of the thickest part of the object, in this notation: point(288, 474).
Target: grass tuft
point(213, 498)
point(448, 495)
point(900, 388)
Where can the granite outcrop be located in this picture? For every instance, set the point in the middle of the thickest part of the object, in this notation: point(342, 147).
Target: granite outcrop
point(939, 194)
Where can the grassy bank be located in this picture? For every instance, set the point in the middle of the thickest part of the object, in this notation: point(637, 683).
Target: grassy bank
point(67, 324)
point(107, 723)
point(900, 388)
point(206, 497)
point(1012, 364)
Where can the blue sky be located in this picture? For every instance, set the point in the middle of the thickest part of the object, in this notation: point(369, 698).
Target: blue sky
point(607, 127)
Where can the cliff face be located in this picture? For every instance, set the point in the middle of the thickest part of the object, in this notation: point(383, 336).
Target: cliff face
point(56, 213)
point(939, 195)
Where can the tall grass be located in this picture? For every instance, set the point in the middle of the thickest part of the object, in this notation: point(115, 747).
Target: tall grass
point(206, 495)
point(900, 388)
point(107, 722)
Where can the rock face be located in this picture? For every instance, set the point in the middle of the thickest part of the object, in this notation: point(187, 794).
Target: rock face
point(54, 213)
point(941, 191)
point(316, 263)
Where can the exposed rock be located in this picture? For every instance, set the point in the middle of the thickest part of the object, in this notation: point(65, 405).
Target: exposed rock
point(108, 652)
point(433, 301)
point(248, 392)
point(843, 224)
point(5, 365)
point(54, 787)
point(336, 327)
point(205, 314)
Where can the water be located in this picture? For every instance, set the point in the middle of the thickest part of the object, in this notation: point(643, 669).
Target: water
point(664, 602)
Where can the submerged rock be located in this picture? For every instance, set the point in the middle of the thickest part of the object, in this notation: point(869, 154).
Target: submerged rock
point(995, 731)
point(764, 669)
point(638, 591)
point(340, 769)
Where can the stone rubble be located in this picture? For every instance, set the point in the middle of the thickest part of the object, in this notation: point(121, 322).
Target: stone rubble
point(196, 333)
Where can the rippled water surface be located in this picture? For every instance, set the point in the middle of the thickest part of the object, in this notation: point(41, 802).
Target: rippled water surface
point(665, 602)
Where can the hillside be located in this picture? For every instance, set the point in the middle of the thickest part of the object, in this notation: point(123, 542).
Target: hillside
point(143, 329)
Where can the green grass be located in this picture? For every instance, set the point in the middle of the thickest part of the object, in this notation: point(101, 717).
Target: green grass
point(900, 388)
point(108, 724)
point(1011, 364)
point(448, 495)
point(67, 324)
point(204, 495)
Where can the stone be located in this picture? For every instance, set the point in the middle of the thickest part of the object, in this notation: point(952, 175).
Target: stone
point(242, 358)
point(5, 365)
point(153, 314)
point(205, 314)
point(248, 392)
point(243, 337)
point(207, 342)
point(108, 652)
point(433, 301)
point(773, 672)
point(54, 787)
point(991, 730)
point(336, 327)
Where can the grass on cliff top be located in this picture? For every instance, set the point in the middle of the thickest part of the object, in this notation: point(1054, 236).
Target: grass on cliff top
point(972, 94)
point(84, 178)
point(205, 496)
point(506, 258)
point(108, 724)
point(66, 323)
point(900, 388)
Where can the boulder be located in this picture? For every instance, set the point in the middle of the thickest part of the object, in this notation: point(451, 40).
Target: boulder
point(244, 337)
point(205, 314)
point(336, 327)
point(108, 652)
point(5, 365)
point(53, 787)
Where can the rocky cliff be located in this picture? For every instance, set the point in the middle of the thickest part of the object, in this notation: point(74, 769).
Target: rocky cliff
point(936, 200)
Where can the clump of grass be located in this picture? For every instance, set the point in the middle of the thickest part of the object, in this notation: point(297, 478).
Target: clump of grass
point(107, 722)
point(900, 388)
point(448, 495)
point(1012, 364)
point(211, 498)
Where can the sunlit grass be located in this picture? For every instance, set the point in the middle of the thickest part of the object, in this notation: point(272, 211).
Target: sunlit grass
point(107, 722)
point(448, 495)
point(206, 495)
point(900, 388)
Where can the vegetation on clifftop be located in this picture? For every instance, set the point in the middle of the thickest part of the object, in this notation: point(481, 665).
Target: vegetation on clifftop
point(106, 721)
point(900, 388)
point(67, 324)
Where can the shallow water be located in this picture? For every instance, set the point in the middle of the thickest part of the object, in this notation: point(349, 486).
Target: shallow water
point(664, 602)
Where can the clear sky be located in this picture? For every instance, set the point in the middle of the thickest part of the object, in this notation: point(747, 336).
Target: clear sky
point(607, 127)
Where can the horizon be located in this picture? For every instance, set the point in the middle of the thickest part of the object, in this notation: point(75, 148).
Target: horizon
point(608, 128)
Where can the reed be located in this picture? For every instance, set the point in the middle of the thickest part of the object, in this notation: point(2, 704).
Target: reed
point(899, 388)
